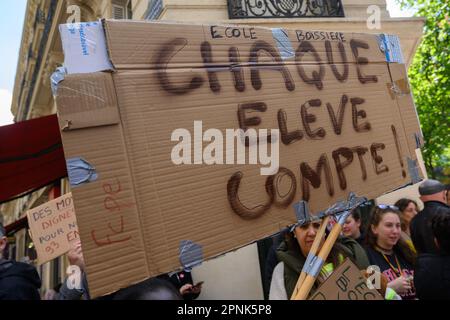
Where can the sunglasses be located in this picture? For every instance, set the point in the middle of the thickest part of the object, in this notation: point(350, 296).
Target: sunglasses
point(386, 206)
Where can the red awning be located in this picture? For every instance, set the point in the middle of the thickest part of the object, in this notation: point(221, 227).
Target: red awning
point(16, 226)
point(31, 156)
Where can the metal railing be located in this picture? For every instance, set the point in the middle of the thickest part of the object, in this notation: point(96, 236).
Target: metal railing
point(248, 9)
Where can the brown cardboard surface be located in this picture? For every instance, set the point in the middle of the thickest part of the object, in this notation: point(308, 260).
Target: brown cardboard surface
point(133, 218)
point(138, 44)
point(346, 283)
point(87, 100)
point(53, 226)
point(406, 106)
point(421, 163)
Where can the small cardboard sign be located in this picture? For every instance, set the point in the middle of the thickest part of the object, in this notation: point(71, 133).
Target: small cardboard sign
point(346, 283)
point(53, 227)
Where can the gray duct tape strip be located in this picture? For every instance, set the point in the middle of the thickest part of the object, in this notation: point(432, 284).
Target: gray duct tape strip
point(341, 209)
point(191, 254)
point(80, 171)
point(390, 45)
point(284, 44)
point(342, 217)
point(418, 141)
point(56, 78)
point(301, 211)
point(314, 267)
point(308, 262)
point(351, 199)
point(339, 206)
point(354, 201)
point(413, 170)
point(303, 215)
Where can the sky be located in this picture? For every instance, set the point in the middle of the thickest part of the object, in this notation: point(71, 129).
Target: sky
point(12, 14)
point(11, 25)
point(396, 12)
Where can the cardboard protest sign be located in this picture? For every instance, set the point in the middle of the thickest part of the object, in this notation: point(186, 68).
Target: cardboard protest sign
point(53, 227)
point(409, 192)
point(346, 283)
point(207, 135)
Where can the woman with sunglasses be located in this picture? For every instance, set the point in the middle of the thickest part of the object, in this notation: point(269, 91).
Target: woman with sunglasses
point(386, 249)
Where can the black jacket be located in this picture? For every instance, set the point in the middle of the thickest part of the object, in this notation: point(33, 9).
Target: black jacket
point(421, 233)
point(179, 279)
point(432, 277)
point(18, 281)
point(82, 293)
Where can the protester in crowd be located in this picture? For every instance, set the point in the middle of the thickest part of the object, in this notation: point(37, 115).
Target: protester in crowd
point(389, 252)
point(183, 282)
point(433, 194)
point(18, 281)
point(75, 287)
point(272, 260)
point(383, 289)
point(448, 194)
point(292, 254)
point(432, 272)
point(151, 289)
point(51, 294)
point(352, 227)
point(408, 210)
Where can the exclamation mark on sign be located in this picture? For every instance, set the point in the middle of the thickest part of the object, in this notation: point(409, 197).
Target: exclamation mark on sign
point(397, 144)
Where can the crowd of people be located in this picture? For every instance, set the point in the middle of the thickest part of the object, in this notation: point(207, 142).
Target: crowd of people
point(410, 247)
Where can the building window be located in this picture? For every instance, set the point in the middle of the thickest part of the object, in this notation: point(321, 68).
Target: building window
point(118, 12)
point(129, 10)
point(245, 9)
point(154, 10)
point(56, 275)
point(122, 9)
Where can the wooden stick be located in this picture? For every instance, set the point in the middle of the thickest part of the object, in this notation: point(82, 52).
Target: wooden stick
point(323, 254)
point(313, 251)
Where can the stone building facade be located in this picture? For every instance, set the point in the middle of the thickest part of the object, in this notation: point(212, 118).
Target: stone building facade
point(41, 53)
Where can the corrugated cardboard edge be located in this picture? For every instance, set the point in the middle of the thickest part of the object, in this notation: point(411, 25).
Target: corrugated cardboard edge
point(110, 29)
point(91, 99)
point(399, 89)
point(85, 126)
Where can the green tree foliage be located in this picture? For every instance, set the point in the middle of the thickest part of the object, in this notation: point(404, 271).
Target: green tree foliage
point(430, 80)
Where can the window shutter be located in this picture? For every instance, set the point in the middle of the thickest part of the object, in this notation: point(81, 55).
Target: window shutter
point(118, 12)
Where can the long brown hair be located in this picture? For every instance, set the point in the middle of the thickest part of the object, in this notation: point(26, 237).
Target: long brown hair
point(371, 239)
point(402, 204)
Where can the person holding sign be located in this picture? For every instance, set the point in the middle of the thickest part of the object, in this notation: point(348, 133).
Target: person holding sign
point(18, 281)
point(387, 250)
point(75, 287)
point(292, 254)
point(185, 284)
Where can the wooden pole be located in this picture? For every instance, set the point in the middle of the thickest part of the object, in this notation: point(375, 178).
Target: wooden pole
point(323, 254)
point(313, 252)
